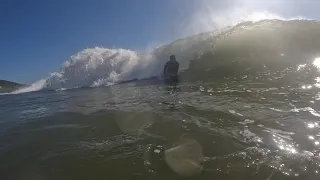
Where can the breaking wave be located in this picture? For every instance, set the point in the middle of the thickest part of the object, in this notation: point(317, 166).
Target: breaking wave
point(99, 66)
point(37, 86)
point(249, 47)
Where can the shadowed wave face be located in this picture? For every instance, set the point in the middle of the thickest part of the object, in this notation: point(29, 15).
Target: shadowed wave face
point(266, 50)
point(247, 49)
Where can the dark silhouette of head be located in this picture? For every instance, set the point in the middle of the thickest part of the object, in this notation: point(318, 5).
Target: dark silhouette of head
point(172, 58)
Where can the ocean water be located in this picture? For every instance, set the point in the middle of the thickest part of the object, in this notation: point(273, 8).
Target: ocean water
point(246, 107)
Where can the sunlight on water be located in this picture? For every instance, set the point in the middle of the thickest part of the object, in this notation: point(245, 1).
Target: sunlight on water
point(310, 126)
point(306, 87)
point(283, 145)
point(316, 63)
point(313, 125)
point(301, 66)
point(311, 137)
point(317, 84)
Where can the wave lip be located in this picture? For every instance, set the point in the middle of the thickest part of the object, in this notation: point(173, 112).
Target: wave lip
point(37, 86)
point(95, 66)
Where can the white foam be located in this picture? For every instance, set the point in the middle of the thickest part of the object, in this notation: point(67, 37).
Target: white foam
point(95, 67)
point(307, 109)
point(33, 87)
point(99, 67)
point(247, 121)
point(251, 136)
point(234, 112)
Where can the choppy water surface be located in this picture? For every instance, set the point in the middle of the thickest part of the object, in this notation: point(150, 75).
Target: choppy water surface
point(245, 131)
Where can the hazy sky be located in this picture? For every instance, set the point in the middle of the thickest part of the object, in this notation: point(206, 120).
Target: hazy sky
point(37, 36)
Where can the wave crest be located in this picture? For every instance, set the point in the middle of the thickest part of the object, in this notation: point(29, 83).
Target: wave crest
point(101, 66)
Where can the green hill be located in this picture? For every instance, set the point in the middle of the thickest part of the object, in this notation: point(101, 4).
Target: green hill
point(8, 86)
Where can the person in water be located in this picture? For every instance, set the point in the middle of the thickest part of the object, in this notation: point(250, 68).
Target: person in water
point(170, 71)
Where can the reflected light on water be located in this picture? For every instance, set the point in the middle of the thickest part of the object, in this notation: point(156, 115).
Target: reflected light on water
point(311, 125)
point(301, 66)
point(311, 137)
point(317, 84)
point(316, 63)
point(283, 145)
point(317, 97)
point(306, 87)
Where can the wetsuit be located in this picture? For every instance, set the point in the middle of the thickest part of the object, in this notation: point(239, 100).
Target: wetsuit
point(170, 71)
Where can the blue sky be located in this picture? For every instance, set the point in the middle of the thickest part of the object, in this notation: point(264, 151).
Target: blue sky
point(37, 36)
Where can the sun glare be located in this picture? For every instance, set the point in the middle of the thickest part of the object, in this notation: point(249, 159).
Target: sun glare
point(316, 62)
